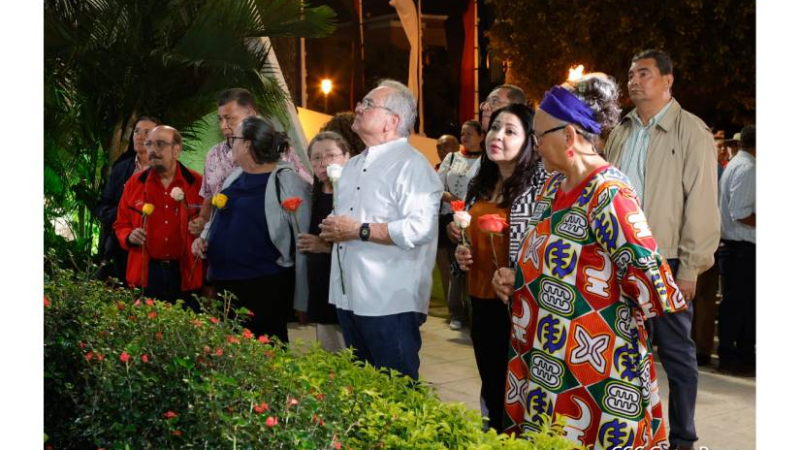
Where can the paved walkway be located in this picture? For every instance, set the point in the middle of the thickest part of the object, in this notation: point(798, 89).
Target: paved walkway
point(725, 416)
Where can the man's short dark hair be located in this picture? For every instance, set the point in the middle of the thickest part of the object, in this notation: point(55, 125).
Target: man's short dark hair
point(242, 97)
point(663, 61)
point(514, 93)
point(748, 138)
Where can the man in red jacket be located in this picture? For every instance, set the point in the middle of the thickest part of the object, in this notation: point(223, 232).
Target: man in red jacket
point(159, 249)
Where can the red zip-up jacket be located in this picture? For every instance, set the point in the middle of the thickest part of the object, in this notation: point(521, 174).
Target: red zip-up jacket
point(129, 217)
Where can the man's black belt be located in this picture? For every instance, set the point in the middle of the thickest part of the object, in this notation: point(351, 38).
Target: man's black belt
point(166, 263)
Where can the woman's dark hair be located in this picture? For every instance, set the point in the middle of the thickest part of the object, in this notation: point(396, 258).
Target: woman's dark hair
point(342, 123)
point(266, 142)
point(343, 146)
point(482, 185)
point(474, 125)
point(130, 152)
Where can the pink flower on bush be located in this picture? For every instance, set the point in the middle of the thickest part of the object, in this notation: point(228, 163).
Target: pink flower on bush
point(145, 358)
point(46, 302)
point(337, 445)
point(151, 315)
point(137, 302)
point(271, 421)
point(264, 339)
point(149, 302)
point(247, 334)
point(170, 415)
point(213, 320)
point(100, 357)
point(89, 356)
point(219, 351)
point(124, 356)
point(293, 401)
point(233, 339)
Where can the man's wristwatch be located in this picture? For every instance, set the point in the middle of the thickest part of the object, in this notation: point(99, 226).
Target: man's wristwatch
point(363, 232)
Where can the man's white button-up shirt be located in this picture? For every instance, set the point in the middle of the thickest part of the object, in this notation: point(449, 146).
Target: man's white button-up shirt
point(395, 184)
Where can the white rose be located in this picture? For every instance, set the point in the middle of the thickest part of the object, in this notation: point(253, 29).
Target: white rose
point(177, 194)
point(462, 219)
point(334, 172)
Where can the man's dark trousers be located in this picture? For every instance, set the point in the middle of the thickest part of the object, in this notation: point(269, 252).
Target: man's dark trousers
point(672, 333)
point(391, 341)
point(737, 312)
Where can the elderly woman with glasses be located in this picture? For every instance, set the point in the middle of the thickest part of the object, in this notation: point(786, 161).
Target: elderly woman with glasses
point(250, 241)
point(325, 149)
point(588, 276)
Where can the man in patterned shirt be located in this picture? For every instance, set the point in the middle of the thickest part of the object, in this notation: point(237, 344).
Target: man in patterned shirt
point(737, 312)
point(234, 105)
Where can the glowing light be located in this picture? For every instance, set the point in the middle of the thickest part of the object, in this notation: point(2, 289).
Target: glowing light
point(575, 73)
point(327, 86)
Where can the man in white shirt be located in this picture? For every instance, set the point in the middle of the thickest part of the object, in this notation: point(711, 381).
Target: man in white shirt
point(384, 229)
point(737, 262)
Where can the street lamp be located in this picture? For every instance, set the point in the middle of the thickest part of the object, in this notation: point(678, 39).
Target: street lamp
point(327, 87)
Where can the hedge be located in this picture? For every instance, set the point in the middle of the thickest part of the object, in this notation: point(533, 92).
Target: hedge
point(122, 373)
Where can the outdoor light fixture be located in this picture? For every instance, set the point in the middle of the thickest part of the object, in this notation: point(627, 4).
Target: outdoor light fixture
point(327, 86)
point(575, 73)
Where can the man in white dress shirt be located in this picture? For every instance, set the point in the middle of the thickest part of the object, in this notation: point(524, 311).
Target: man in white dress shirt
point(384, 229)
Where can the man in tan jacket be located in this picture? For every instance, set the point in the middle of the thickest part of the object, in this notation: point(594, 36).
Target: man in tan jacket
point(669, 156)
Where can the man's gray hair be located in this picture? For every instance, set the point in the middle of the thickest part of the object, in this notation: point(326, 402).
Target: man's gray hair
point(401, 102)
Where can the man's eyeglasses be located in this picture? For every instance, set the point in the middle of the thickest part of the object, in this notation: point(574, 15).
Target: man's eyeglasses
point(493, 103)
point(326, 159)
point(159, 145)
point(231, 139)
point(368, 104)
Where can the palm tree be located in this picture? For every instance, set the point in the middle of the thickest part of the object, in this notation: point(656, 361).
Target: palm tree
point(109, 61)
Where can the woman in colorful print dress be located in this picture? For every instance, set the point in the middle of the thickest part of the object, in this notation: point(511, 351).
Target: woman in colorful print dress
point(588, 276)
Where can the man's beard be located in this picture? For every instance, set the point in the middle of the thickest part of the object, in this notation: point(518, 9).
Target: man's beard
point(158, 166)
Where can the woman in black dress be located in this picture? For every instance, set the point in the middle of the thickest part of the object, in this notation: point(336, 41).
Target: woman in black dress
point(326, 148)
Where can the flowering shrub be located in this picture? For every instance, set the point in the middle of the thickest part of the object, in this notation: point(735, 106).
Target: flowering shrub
point(122, 373)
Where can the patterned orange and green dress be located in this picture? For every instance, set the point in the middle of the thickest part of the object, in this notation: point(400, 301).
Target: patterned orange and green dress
point(588, 276)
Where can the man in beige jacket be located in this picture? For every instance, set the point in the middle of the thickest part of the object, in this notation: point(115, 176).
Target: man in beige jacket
point(669, 156)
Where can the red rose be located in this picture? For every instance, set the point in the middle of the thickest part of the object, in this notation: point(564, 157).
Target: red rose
point(170, 415)
point(149, 302)
point(89, 356)
point(292, 203)
point(457, 205)
point(213, 320)
point(247, 334)
point(261, 407)
point(151, 315)
point(124, 356)
point(46, 302)
point(263, 339)
point(219, 351)
point(100, 357)
point(337, 445)
point(492, 223)
point(271, 421)
point(145, 358)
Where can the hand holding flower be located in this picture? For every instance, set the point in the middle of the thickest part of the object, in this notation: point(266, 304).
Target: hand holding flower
point(464, 257)
point(309, 243)
point(199, 248)
point(137, 237)
point(503, 283)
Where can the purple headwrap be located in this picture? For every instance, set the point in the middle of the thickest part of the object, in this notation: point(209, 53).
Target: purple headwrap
point(562, 104)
